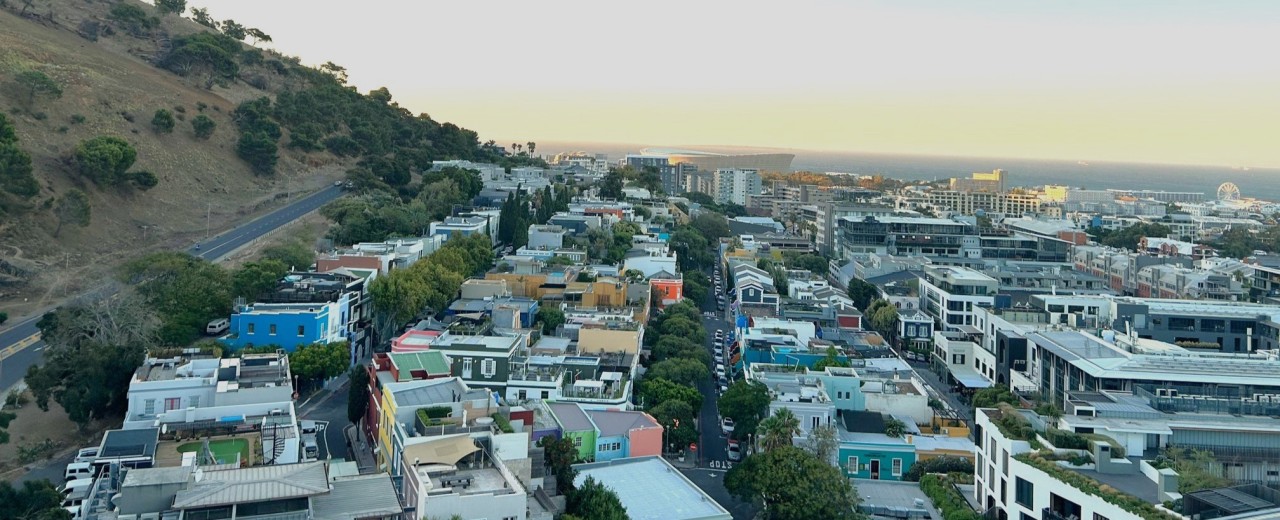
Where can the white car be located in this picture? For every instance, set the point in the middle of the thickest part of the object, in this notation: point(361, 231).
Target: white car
point(726, 426)
point(719, 370)
point(719, 357)
point(87, 454)
point(735, 451)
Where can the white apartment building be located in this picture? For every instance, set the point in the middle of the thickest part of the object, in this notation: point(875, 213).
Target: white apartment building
point(164, 386)
point(734, 185)
point(949, 294)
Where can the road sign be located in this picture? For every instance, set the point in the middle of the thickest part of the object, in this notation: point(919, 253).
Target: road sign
point(693, 446)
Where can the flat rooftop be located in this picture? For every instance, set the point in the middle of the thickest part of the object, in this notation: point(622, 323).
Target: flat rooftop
point(884, 498)
point(1100, 358)
point(651, 489)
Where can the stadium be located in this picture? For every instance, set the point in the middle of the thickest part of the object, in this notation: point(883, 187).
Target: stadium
point(710, 161)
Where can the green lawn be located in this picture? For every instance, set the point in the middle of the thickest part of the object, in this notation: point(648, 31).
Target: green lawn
point(224, 450)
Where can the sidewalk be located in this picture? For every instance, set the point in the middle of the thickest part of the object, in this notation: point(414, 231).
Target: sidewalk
point(358, 445)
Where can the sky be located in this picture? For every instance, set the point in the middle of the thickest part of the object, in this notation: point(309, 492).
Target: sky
point(1139, 80)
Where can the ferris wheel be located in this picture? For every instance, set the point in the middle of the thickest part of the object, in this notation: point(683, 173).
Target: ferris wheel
point(1228, 191)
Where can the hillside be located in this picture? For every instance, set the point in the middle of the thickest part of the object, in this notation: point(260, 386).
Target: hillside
point(110, 74)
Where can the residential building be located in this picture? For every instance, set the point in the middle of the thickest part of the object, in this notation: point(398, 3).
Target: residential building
point(826, 217)
point(379, 256)
point(464, 226)
point(306, 308)
point(304, 490)
point(1014, 203)
point(602, 435)
point(481, 361)
point(650, 262)
point(546, 237)
point(1217, 326)
point(451, 402)
point(904, 236)
point(523, 310)
point(165, 387)
point(950, 294)
point(461, 476)
point(650, 488)
point(733, 185)
point(668, 288)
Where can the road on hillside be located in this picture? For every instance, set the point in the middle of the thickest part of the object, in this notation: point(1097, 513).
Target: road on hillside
point(20, 345)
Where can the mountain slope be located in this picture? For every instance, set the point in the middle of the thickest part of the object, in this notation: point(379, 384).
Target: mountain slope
point(109, 89)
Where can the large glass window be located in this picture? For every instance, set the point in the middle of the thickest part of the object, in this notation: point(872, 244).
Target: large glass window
point(1023, 492)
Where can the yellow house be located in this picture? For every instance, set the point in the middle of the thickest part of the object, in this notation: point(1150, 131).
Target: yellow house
point(602, 340)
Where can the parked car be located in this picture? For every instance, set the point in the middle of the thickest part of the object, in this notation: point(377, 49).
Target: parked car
point(719, 357)
point(87, 454)
point(78, 470)
point(720, 370)
point(726, 425)
point(735, 451)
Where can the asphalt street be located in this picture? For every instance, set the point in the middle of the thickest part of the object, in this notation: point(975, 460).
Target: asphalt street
point(20, 345)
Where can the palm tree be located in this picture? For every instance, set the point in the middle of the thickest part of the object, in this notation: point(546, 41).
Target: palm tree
point(779, 429)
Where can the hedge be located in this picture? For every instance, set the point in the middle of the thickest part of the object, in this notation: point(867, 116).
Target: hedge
point(1090, 486)
point(945, 497)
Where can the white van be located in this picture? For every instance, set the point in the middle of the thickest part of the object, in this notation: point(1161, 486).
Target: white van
point(217, 327)
point(87, 454)
point(77, 470)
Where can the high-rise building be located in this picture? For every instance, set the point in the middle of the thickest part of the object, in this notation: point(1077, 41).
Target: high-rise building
point(734, 185)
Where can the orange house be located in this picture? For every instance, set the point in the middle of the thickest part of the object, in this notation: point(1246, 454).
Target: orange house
point(668, 289)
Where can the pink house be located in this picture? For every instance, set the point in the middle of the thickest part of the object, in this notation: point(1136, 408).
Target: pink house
point(414, 341)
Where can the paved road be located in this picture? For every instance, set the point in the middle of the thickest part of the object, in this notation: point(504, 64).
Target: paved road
point(20, 345)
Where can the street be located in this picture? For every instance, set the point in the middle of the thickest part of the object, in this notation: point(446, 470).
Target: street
point(20, 343)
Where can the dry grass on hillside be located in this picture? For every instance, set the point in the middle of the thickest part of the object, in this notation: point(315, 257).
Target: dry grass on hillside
point(115, 91)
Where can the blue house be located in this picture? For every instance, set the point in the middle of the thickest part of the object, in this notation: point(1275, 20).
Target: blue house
point(288, 325)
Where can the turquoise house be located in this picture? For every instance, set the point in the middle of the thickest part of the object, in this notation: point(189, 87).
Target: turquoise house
point(866, 452)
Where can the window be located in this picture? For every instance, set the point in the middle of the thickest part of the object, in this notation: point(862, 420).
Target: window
point(172, 403)
point(271, 329)
point(521, 395)
point(466, 368)
point(896, 466)
point(1004, 461)
point(853, 464)
point(546, 394)
point(957, 359)
point(488, 367)
point(1097, 516)
point(250, 328)
point(302, 330)
point(817, 421)
point(149, 407)
point(1023, 492)
point(577, 441)
point(195, 401)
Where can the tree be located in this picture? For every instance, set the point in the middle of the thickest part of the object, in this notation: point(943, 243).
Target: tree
point(684, 371)
point(258, 35)
point(317, 361)
point(746, 403)
point(36, 84)
point(358, 394)
point(337, 71)
point(595, 501)
point(162, 122)
point(294, 254)
point(105, 159)
point(203, 126)
point(34, 500)
point(550, 317)
point(677, 419)
point(185, 291)
point(884, 318)
point(233, 29)
point(677, 347)
point(133, 19)
point(894, 428)
point(990, 397)
point(862, 293)
point(823, 442)
point(654, 391)
point(15, 170)
point(259, 150)
point(5, 419)
point(794, 485)
point(72, 208)
point(171, 6)
point(779, 430)
point(559, 455)
point(253, 279)
point(397, 297)
point(832, 359)
point(143, 180)
point(813, 263)
point(611, 185)
point(713, 226)
point(201, 16)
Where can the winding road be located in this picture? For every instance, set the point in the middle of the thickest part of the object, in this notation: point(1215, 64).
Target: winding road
point(20, 345)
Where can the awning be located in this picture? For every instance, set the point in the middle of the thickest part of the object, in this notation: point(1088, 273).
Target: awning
point(444, 450)
point(969, 378)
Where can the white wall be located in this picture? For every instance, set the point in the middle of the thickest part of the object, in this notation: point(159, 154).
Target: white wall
point(482, 506)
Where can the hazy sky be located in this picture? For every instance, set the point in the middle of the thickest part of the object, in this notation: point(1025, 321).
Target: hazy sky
point(1150, 81)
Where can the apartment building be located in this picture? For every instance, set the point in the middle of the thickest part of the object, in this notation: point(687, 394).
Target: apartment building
point(735, 185)
point(164, 390)
point(1217, 326)
point(904, 236)
point(950, 294)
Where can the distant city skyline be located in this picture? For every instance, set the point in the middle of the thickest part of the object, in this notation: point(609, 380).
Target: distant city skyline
point(1141, 81)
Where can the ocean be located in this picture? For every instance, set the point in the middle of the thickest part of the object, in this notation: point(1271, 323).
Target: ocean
point(1261, 183)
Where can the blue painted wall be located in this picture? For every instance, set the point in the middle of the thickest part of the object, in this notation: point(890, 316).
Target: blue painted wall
point(884, 453)
point(254, 328)
point(605, 455)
